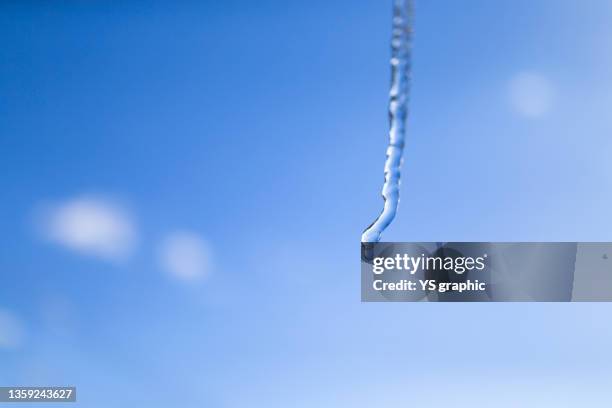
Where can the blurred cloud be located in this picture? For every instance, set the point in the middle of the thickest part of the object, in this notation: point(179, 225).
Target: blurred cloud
point(185, 255)
point(531, 94)
point(92, 226)
point(11, 330)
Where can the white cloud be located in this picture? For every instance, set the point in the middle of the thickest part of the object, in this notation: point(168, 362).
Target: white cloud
point(185, 255)
point(11, 331)
point(92, 226)
point(531, 94)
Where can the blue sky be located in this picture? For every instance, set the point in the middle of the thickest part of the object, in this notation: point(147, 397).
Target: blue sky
point(248, 138)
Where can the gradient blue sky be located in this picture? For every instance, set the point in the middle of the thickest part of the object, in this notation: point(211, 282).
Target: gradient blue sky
point(261, 127)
